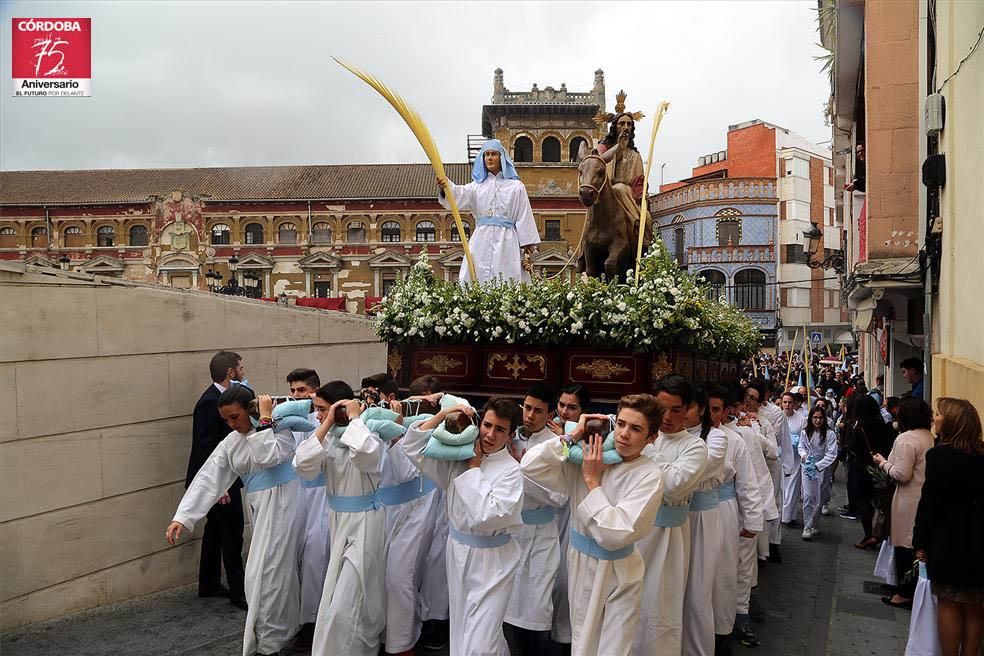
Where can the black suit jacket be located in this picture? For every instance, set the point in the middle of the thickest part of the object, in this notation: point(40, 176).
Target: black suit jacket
point(208, 429)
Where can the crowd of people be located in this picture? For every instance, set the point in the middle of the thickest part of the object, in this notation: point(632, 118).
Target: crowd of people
point(381, 522)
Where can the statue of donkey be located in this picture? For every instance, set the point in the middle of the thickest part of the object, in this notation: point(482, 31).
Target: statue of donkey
point(611, 230)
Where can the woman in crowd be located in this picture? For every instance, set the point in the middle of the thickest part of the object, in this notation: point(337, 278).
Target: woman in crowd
point(906, 464)
point(949, 527)
point(867, 435)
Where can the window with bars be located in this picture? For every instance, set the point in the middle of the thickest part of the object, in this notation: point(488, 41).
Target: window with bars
point(221, 235)
point(105, 236)
point(750, 289)
point(715, 283)
point(454, 231)
point(794, 254)
point(551, 230)
point(254, 233)
point(138, 236)
point(287, 233)
point(321, 233)
point(390, 231)
point(426, 231)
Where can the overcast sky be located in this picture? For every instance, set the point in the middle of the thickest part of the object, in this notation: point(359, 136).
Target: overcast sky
point(178, 84)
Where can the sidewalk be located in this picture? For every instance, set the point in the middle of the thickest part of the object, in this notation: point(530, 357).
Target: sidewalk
point(815, 601)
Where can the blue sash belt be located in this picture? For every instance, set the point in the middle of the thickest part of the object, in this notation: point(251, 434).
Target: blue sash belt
point(727, 492)
point(705, 500)
point(538, 516)
point(671, 516)
point(589, 547)
point(500, 221)
point(319, 481)
point(794, 439)
point(391, 495)
point(922, 571)
point(479, 541)
point(397, 495)
point(265, 479)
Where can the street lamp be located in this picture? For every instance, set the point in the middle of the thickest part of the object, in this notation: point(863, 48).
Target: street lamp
point(63, 262)
point(210, 280)
point(812, 239)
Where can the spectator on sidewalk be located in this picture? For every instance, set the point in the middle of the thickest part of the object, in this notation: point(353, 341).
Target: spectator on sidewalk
point(868, 435)
point(912, 371)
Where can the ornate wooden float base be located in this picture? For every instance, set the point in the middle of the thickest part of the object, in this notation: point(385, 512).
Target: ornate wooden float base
point(481, 370)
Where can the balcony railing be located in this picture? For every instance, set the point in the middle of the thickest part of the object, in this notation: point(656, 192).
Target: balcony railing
point(730, 254)
point(718, 189)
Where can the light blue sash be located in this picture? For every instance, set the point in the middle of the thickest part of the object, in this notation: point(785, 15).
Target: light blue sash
point(589, 547)
point(319, 481)
point(353, 504)
point(265, 479)
point(794, 438)
point(500, 221)
point(538, 516)
point(671, 516)
point(922, 571)
point(727, 492)
point(479, 541)
point(705, 500)
point(397, 495)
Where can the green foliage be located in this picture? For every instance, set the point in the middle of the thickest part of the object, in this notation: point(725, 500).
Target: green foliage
point(667, 310)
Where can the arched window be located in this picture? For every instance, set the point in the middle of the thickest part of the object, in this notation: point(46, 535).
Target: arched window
point(138, 235)
point(551, 149)
point(287, 233)
point(356, 233)
point(105, 236)
point(221, 235)
point(576, 147)
point(321, 233)
point(39, 237)
point(728, 227)
point(390, 231)
point(8, 237)
point(750, 289)
point(523, 150)
point(426, 231)
point(714, 281)
point(679, 246)
point(254, 233)
point(454, 231)
point(74, 237)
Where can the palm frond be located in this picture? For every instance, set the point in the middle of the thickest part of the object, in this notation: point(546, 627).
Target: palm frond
point(657, 119)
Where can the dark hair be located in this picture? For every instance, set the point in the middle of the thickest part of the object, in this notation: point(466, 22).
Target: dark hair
point(221, 363)
point(676, 385)
point(823, 427)
point(375, 380)
point(307, 376)
point(336, 390)
point(647, 405)
point(912, 363)
point(789, 394)
point(425, 385)
point(892, 402)
point(581, 392)
point(612, 137)
point(705, 414)
point(543, 392)
point(914, 413)
point(390, 386)
point(865, 410)
point(504, 409)
point(236, 395)
point(723, 392)
point(758, 385)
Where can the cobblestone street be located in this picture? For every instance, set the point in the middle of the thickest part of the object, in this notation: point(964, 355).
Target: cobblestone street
point(815, 601)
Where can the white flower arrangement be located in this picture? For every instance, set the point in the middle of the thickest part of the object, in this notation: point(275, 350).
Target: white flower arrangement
point(667, 310)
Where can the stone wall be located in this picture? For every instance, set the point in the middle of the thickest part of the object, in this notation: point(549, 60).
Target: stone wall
point(98, 379)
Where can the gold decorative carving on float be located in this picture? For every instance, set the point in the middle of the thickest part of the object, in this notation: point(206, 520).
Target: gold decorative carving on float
point(515, 365)
point(441, 363)
point(602, 369)
point(394, 361)
point(662, 366)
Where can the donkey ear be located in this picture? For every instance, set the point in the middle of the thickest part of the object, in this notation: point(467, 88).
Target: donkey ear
point(609, 154)
point(582, 151)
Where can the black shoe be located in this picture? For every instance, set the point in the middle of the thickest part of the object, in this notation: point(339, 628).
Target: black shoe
point(775, 556)
point(721, 647)
point(434, 635)
point(304, 637)
point(220, 591)
point(755, 611)
point(747, 637)
point(849, 515)
point(239, 602)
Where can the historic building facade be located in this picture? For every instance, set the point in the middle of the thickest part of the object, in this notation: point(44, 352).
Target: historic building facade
point(343, 231)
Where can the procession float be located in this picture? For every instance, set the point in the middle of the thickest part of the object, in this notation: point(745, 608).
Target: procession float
point(631, 316)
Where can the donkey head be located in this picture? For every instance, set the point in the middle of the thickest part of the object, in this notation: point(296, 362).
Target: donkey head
point(592, 174)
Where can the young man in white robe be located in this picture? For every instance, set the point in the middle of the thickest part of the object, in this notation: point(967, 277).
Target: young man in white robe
point(741, 514)
point(772, 421)
point(485, 504)
point(612, 508)
point(261, 458)
point(666, 550)
point(530, 612)
point(792, 501)
point(351, 616)
point(503, 215)
point(314, 510)
point(705, 534)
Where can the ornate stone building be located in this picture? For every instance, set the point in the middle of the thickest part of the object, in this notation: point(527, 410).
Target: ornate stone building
point(342, 231)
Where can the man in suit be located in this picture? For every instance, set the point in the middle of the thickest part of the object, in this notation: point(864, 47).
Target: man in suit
point(222, 541)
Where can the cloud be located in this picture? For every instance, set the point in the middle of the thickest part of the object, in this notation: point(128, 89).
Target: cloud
point(227, 84)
